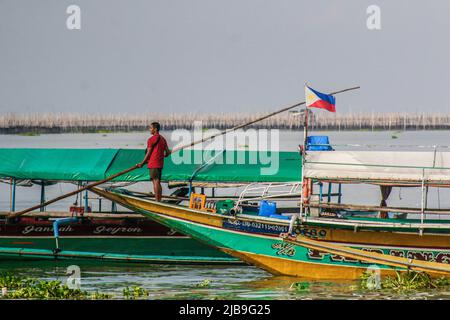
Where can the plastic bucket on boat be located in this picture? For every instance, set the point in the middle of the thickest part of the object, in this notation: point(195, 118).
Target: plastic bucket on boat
point(267, 208)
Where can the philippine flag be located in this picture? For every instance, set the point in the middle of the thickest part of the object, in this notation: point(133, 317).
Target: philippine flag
point(320, 100)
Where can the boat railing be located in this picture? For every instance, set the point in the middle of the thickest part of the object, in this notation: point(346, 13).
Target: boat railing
point(259, 191)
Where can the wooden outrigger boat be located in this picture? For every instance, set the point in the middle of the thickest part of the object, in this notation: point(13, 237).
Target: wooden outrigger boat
point(326, 240)
point(97, 229)
point(101, 237)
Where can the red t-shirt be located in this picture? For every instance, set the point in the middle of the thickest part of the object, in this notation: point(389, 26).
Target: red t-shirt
point(156, 159)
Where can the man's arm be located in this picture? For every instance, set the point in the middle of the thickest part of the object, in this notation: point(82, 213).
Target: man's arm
point(147, 155)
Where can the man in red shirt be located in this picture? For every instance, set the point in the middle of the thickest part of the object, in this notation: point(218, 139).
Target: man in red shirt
point(157, 149)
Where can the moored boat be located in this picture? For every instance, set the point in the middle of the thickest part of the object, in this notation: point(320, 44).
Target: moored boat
point(118, 237)
point(344, 239)
point(89, 230)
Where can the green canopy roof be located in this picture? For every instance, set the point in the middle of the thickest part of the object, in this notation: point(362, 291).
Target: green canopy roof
point(97, 164)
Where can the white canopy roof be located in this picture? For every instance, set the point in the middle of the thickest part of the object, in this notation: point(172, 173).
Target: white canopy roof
point(379, 166)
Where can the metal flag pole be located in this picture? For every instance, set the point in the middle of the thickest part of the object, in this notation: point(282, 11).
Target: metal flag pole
point(305, 144)
point(302, 213)
point(303, 152)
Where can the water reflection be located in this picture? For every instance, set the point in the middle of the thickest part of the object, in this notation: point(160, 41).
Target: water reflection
point(184, 282)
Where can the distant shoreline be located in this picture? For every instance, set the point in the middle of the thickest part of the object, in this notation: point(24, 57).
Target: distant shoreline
point(33, 124)
point(30, 132)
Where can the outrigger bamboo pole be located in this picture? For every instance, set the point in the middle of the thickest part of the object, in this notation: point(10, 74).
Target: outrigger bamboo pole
point(254, 121)
point(375, 208)
point(16, 214)
point(371, 257)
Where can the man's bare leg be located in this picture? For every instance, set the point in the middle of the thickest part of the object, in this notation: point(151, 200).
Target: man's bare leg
point(157, 189)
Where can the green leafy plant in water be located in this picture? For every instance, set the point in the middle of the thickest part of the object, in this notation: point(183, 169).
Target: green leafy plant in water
point(10, 281)
point(135, 293)
point(100, 296)
point(29, 288)
point(204, 283)
point(29, 134)
point(442, 282)
point(406, 281)
point(300, 286)
point(366, 281)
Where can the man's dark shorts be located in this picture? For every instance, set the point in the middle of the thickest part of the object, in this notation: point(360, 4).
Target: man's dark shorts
point(155, 173)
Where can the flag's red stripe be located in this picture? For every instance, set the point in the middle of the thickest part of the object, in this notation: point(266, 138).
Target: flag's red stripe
point(324, 105)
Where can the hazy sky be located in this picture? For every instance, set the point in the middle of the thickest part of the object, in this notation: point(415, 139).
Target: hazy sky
point(140, 56)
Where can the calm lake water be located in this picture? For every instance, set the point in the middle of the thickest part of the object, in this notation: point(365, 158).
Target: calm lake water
point(226, 282)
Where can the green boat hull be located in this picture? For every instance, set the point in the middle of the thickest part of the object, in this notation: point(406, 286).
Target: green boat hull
point(256, 240)
point(146, 249)
point(274, 254)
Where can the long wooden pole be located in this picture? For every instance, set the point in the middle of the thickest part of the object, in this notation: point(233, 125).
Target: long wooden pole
point(342, 206)
point(370, 257)
point(254, 121)
point(427, 187)
point(16, 214)
point(305, 143)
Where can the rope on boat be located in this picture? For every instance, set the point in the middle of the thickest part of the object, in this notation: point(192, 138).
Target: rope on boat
point(371, 257)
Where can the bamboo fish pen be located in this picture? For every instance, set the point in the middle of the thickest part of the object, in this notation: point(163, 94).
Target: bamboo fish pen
point(16, 123)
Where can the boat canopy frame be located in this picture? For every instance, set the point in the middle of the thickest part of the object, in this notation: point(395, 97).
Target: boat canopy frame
point(401, 168)
point(386, 169)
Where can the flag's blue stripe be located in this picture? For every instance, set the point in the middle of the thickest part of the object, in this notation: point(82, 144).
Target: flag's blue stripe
point(327, 97)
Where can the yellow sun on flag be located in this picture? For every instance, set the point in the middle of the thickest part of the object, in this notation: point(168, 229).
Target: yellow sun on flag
point(310, 97)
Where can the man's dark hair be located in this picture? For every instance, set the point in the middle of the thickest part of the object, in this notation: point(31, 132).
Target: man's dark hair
point(156, 125)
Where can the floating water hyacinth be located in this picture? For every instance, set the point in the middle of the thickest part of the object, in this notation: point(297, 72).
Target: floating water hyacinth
point(406, 281)
point(204, 283)
point(14, 287)
point(135, 293)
